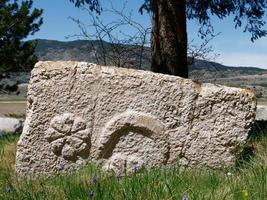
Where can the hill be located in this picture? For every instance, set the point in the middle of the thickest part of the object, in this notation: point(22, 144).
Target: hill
point(129, 56)
point(84, 50)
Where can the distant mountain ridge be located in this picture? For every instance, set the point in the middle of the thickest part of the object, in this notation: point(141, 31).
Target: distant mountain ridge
point(84, 50)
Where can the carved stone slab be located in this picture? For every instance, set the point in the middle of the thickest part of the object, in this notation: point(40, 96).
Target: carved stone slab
point(121, 118)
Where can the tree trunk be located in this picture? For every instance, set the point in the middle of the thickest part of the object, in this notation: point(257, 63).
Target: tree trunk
point(169, 37)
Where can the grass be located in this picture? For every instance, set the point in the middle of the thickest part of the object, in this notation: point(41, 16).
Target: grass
point(10, 97)
point(247, 181)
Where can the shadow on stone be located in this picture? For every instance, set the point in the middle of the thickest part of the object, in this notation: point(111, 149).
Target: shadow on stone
point(258, 131)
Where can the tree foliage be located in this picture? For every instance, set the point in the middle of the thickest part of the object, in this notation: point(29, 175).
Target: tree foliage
point(114, 46)
point(17, 21)
point(169, 17)
point(248, 14)
point(94, 5)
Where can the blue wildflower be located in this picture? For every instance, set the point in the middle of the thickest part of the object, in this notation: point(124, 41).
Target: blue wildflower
point(91, 194)
point(135, 168)
point(184, 197)
point(61, 166)
point(8, 189)
point(94, 179)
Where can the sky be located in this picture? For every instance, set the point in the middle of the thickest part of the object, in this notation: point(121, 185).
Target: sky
point(233, 46)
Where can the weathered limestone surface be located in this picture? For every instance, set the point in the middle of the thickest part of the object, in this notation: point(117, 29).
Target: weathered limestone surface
point(120, 118)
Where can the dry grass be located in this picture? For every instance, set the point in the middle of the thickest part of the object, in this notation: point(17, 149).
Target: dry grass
point(17, 108)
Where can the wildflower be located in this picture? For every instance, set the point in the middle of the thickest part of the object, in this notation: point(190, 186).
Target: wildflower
point(135, 168)
point(61, 166)
point(91, 194)
point(94, 179)
point(184, 197)
point(229, 174)
point(8, 189)
point(244, 194)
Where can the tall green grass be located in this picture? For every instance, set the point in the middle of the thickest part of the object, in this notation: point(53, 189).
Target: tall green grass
point(248, 181)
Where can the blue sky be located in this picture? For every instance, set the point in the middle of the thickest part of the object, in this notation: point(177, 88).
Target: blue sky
point(234, 46)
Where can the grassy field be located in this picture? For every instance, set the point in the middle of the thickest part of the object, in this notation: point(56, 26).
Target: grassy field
point(262, 101)
point(12, 104)
point(247, 181)
point(12, 107)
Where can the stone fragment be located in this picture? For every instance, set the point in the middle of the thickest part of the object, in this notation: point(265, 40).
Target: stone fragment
point(123, 119)
point(10, 125)
point(261, 113)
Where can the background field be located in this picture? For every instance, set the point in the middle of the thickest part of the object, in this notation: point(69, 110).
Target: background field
point(12, 107)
